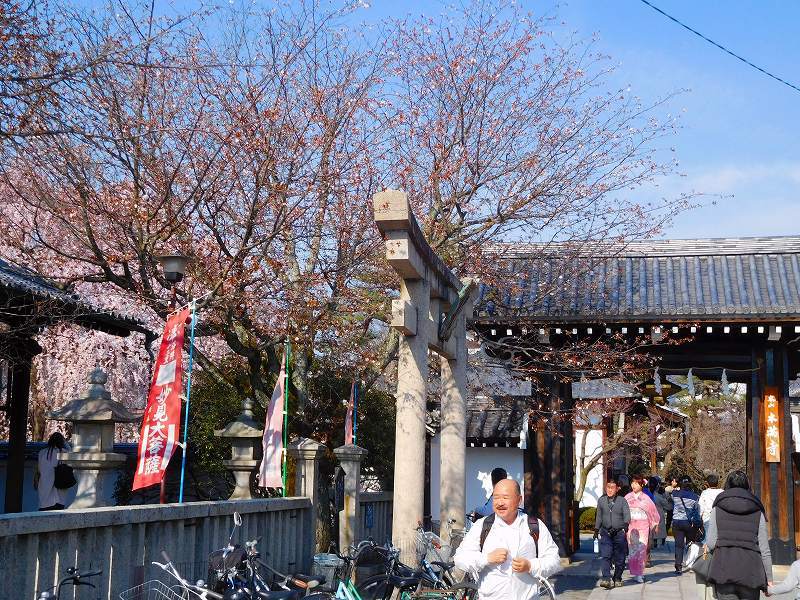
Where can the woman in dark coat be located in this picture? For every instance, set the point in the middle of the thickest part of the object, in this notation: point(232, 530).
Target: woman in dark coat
point(741, 564)
point(664, 505)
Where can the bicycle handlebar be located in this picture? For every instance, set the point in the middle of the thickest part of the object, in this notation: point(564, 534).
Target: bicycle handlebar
point(299, 583)
point(170, 568)
point(91, 574)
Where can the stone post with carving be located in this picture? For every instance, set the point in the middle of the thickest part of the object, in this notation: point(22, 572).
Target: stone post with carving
point(307, 454)
point(350, 457)
point(92, 456)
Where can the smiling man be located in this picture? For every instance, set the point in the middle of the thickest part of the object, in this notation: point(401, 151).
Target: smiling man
point(506, 549)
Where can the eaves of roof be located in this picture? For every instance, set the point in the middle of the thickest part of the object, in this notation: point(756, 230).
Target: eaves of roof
point(66, 304)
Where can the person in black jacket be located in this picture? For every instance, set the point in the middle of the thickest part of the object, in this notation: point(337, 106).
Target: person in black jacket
point(741, 563)
point(611, 523)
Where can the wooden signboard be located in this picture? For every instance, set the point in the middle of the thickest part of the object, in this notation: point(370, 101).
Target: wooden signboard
point(772, 426)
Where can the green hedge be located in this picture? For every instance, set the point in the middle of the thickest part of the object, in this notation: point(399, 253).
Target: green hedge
point(586, 518)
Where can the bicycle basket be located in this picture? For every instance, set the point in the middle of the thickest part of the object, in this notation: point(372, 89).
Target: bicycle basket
point(372, 556)
point(432, 548)
point(154, 590)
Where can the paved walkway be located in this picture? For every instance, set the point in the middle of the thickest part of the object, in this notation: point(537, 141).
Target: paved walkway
point(579, 580)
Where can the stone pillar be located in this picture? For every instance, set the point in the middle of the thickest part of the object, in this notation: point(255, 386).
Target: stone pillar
point(452, 491)
point(409, 456)
point(245, 436)
point(350, 457)
point(307, 454)
point(92, 456)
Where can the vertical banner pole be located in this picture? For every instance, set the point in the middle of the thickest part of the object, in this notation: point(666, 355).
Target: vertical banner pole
point(285, 413)
point(188, 398)
point(355, 413)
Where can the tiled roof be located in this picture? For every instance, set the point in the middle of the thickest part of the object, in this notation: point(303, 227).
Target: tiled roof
point(495, 422)
point(710, 279)
point(24, 280)
point(18, 280)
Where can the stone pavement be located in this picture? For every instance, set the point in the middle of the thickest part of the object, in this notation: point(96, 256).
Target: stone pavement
point(579, 580)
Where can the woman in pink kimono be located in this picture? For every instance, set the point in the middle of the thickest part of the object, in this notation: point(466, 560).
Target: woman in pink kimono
point(644, 519)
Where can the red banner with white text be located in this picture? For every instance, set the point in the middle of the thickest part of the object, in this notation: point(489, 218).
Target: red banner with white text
point(161, 422)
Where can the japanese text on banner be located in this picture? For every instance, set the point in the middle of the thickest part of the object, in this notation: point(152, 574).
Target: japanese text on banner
point(161, 421)
point(772, 426)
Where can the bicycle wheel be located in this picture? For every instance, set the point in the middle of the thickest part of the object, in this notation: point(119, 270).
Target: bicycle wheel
point(375, 588)
point(546, 591)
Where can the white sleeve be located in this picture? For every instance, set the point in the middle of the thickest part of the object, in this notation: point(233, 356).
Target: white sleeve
point(549, 561)
point(705, 508)
point(469, 557)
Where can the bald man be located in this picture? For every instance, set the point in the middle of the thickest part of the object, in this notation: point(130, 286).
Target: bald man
point(508, 560)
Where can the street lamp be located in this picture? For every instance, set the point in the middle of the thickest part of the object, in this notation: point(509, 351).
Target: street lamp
point(174, 267)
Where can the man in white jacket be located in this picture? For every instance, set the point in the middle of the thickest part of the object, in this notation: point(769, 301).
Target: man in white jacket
point(508, 561)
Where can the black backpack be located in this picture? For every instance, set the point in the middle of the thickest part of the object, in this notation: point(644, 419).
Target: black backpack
point(533, 528)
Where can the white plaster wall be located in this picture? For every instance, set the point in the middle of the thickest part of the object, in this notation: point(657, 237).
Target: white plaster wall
point(479, 465)
point(796, 432)
point(594, 482)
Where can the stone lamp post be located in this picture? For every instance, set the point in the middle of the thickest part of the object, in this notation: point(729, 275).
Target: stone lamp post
point(245, 437)
point(93, 417)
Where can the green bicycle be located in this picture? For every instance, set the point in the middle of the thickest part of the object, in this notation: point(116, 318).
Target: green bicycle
point(399, 582)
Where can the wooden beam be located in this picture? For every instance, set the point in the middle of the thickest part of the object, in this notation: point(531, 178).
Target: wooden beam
point(20, 382)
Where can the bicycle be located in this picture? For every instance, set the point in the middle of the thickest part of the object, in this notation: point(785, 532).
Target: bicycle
point(234, 574)
point(257, 591)
point(74, 578)
point(399, 579)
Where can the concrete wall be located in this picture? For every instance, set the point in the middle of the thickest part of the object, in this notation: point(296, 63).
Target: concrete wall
point(479, 465)
point(122, 541)
point(376, 517)
point(594, 482)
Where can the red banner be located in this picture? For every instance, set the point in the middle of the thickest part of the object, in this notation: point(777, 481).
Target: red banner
point(161, 422)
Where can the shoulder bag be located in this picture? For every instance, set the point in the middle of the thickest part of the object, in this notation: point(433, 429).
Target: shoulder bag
point(702, 564)
point(64, 477)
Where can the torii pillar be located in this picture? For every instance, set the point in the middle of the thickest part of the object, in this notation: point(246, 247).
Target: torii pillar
point(429, 315)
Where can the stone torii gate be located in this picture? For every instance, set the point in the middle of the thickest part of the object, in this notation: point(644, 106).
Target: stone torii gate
point(429, 315)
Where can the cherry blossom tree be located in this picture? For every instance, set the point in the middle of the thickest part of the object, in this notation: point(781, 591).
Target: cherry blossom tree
point(255, 148)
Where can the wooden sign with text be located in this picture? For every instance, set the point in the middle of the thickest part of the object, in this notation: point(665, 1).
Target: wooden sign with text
point(772, 426)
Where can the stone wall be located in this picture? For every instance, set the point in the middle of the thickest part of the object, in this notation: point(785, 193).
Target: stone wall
point(122, 541)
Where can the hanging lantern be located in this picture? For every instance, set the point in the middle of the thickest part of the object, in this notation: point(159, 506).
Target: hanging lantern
point(725, 386)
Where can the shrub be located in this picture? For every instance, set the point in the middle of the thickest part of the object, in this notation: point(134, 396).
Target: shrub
point(586, 518)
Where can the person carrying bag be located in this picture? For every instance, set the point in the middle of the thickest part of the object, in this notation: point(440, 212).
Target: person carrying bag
point(52, 479)
point(741, 567)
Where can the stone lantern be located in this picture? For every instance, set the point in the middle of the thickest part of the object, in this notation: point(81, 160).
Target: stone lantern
point(244, 435)
point(93, 417)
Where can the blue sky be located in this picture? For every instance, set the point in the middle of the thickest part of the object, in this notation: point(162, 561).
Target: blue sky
point(740, 134)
